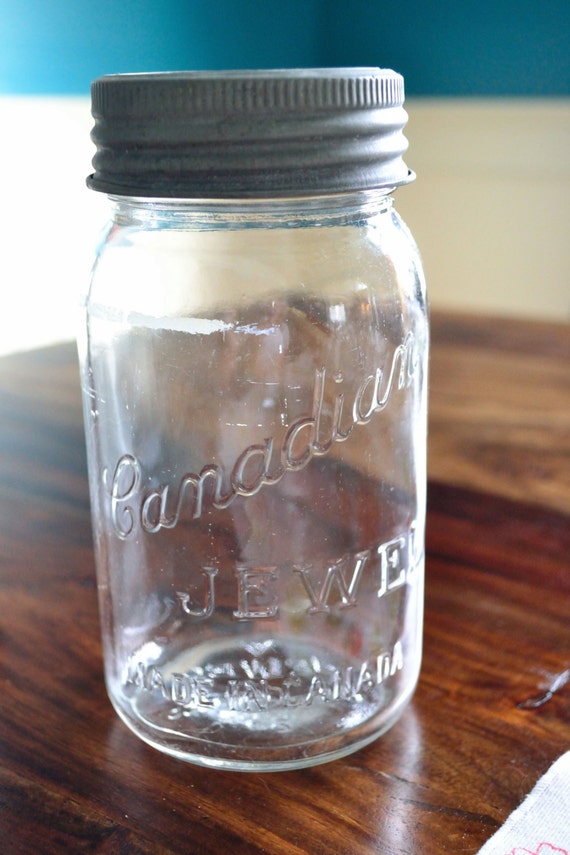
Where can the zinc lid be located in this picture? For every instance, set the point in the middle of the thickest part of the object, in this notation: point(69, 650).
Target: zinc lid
point(248, 134)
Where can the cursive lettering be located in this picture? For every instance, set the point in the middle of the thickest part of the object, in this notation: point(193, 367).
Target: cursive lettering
point(163, 506)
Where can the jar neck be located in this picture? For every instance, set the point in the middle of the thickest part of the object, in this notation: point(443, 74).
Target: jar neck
point(343, 208)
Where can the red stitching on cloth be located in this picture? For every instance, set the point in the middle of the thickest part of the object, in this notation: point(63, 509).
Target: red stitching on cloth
point(543, 849)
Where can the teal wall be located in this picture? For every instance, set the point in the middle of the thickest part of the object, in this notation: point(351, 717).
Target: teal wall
point(462, 47)
point(443, 47)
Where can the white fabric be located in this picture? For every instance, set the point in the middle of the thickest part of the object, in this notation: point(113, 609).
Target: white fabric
point(541, 825)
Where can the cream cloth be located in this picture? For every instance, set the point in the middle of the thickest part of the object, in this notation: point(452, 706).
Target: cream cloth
point(541, 825)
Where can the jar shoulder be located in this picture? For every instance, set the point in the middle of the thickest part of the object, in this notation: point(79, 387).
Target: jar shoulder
point(182, 269)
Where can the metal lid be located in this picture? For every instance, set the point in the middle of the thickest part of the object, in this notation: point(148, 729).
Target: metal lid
point(248, 134)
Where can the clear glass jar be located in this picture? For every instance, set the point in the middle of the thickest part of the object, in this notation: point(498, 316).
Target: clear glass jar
point(254, 376)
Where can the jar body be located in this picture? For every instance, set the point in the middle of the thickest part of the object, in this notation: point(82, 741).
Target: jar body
point(254, 383)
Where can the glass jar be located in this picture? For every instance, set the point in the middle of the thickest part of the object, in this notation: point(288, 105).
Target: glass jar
point(254, 378)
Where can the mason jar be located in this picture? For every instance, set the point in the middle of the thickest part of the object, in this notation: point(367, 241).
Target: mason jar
point(254, 381)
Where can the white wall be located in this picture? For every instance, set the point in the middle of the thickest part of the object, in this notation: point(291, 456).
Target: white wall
point(49, 221)
point(490, 209)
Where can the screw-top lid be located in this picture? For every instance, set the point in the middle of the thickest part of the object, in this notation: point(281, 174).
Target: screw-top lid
point(248, 134)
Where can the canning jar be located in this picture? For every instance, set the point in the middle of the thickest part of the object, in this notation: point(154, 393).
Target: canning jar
point(254, 381)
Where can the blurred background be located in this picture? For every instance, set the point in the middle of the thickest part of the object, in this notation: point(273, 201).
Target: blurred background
point(488, 94)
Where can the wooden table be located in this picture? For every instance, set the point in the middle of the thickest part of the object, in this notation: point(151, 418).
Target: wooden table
point(483, 725)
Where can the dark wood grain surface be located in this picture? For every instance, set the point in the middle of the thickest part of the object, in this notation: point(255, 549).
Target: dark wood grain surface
point(483, 725)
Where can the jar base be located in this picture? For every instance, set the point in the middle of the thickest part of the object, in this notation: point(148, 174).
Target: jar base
point(233, 764)
point(286, 708)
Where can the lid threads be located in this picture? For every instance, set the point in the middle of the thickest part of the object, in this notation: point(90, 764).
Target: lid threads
point(250, 134)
